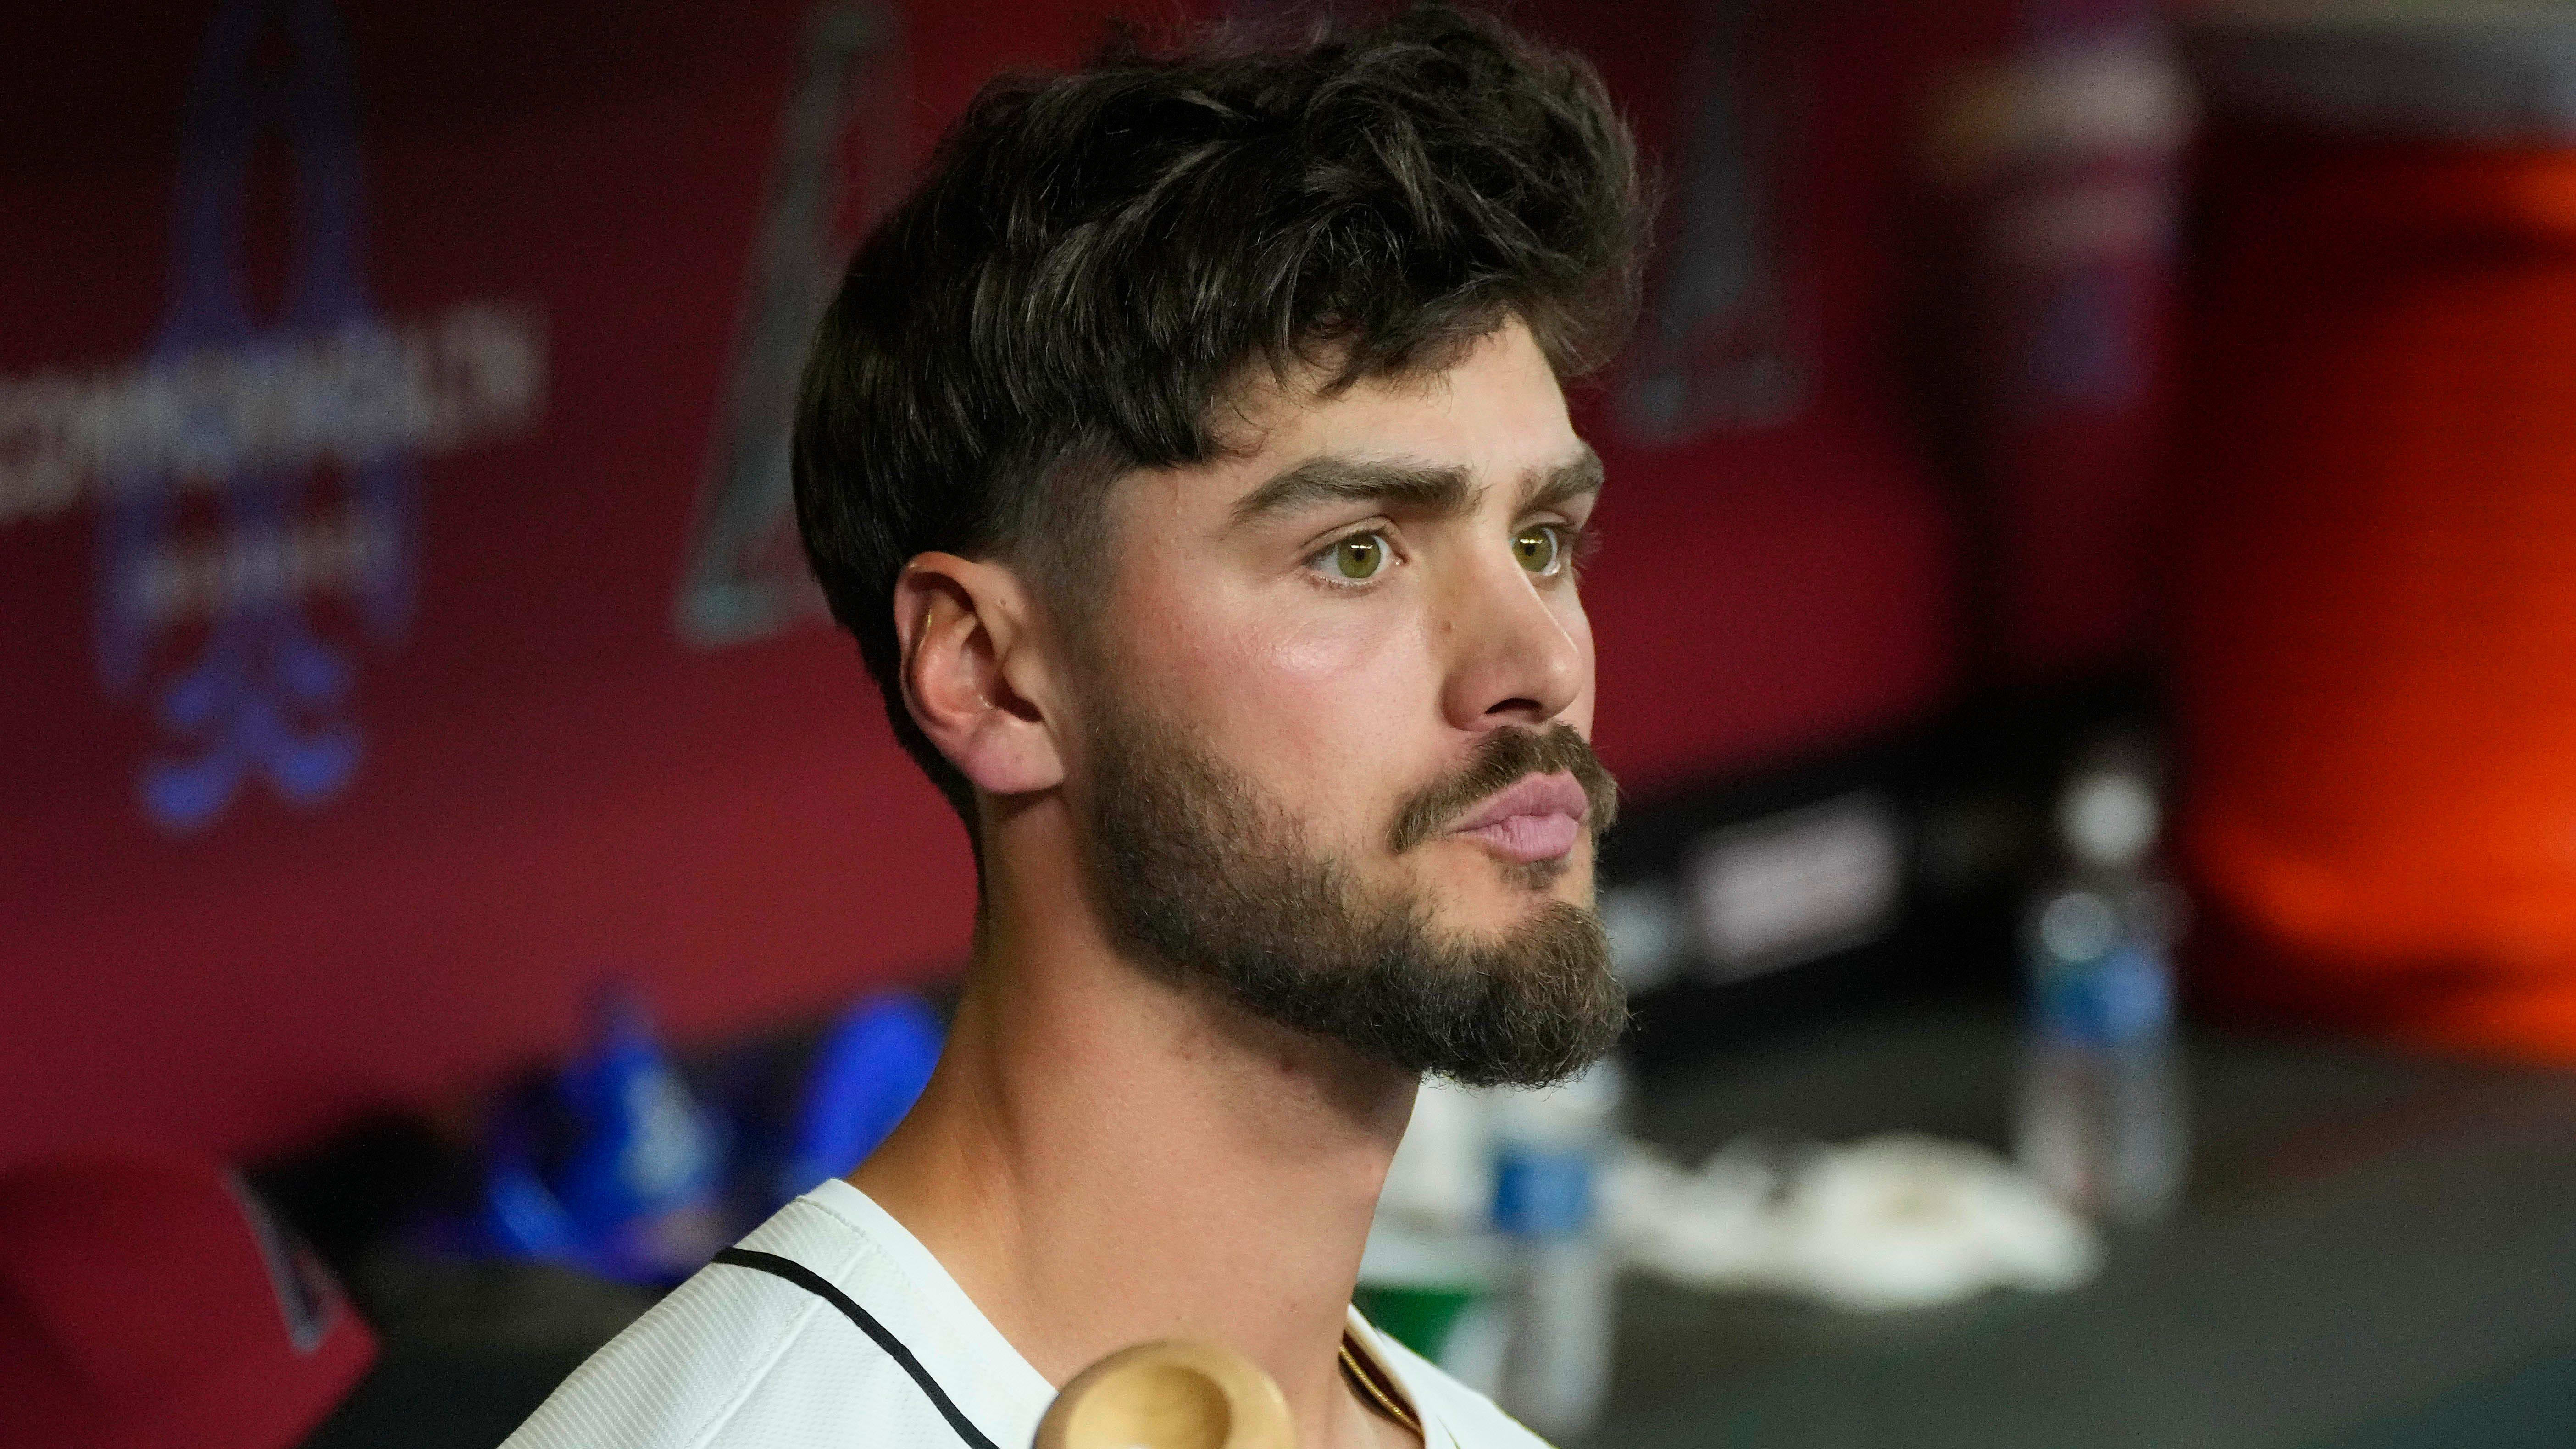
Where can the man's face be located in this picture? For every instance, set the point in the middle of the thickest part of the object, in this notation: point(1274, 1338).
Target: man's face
point(1334, 753)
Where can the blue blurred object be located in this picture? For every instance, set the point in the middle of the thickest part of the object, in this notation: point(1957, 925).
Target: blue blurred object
point(867, 1072)
point(633, 1192)
point(614, 1166)
point(645, 1164)
point(1543, 1194)
point(2121, 996)
point(520, 1216)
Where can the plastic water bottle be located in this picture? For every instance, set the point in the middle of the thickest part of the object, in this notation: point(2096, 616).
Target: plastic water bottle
point(2102, 1117)
point(1558, 1301)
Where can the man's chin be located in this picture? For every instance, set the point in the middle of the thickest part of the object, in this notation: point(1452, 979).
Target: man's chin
point(1494, 917)
point(1479, 884)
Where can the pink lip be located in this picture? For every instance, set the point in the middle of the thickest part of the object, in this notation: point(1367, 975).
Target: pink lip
point(1538, 819)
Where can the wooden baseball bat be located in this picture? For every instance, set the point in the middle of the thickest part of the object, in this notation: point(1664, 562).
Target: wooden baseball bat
point(1175, 1394)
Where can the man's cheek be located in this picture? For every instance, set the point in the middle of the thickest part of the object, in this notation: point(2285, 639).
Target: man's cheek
point(1319, 655)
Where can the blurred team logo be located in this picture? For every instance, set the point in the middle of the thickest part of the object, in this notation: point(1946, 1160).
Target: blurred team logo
point(247, 468)
point(1722, 343)
point(2063, 155)
point(745, 577)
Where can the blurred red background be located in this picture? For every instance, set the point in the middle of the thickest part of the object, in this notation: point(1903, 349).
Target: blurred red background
point(556, 785)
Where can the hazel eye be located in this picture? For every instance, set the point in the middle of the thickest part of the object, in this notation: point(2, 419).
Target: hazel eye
point(1361, 556)
point(1540, 548)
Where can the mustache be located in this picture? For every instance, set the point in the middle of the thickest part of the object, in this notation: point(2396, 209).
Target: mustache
point(1504, 758)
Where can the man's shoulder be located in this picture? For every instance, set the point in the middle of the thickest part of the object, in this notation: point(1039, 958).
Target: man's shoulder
point(1468, 1418)
point(752, 1360)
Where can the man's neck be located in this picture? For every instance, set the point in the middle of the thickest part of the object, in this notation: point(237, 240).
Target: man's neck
point(1103, 1158)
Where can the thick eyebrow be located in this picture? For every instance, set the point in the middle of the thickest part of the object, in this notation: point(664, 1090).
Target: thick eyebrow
point(1564, 482)
point(1329, 479)
point(1413, 488)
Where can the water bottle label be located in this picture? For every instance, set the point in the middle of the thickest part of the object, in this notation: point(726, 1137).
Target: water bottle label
point(2125, 997)
point(1542, 1194)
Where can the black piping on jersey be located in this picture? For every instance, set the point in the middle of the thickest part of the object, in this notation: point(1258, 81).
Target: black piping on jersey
point(812, 1282)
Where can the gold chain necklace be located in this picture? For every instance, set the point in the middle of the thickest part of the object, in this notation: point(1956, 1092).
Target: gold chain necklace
point(1379, 1398)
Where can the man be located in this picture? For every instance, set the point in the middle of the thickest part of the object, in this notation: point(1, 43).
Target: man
point(1188, 457)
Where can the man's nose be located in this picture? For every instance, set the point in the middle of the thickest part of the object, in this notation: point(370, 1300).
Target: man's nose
point(1514, 658)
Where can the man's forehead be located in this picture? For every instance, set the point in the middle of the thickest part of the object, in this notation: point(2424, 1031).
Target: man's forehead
point(1494, 415)
point(1314, 407)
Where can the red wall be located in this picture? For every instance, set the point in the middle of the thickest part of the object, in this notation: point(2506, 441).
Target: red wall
point(553, 785)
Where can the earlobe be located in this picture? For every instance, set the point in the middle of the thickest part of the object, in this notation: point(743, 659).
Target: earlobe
point(967, 667)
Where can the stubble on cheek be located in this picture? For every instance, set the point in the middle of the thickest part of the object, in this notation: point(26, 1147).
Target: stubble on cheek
point(1211, 885)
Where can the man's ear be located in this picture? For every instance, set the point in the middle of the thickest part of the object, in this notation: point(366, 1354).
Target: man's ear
point(973, 675)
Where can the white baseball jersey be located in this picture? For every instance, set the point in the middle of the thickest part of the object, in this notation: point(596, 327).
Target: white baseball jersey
point(831, 1327)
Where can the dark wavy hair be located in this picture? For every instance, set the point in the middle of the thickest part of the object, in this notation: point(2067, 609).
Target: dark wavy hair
point(1095, 260)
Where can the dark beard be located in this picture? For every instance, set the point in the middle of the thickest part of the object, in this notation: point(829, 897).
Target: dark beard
point(1209, 884)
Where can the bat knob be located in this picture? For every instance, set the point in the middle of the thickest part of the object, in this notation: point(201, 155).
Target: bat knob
point(1174, 1394)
